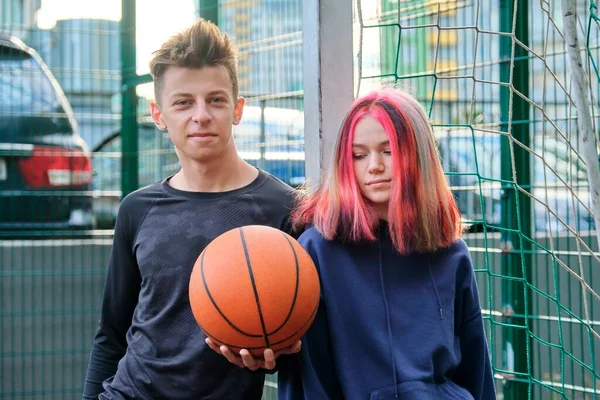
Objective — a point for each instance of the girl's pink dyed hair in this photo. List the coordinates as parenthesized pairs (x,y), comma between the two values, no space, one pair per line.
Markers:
(422,215)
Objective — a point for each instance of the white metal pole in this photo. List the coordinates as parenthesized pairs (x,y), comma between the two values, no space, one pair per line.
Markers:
(582,104)
(328,78)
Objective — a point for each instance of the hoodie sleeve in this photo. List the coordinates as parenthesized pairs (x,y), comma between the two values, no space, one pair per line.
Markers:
(474,372)
(313,375)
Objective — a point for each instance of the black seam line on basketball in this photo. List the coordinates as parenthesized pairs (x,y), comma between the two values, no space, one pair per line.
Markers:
(260,314)
(230,345)
(215,303)
(295,289)
(302,327)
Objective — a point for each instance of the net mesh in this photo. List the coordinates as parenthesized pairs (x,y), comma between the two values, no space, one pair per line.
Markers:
(494,77)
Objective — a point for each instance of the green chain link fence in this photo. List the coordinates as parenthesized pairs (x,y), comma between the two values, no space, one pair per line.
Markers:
(86,73)
(494,77)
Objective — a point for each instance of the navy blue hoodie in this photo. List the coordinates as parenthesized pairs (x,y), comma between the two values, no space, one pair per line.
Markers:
(391,326)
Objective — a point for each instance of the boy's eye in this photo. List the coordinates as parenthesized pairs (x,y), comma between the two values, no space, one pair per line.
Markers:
(218,100)
(182,103)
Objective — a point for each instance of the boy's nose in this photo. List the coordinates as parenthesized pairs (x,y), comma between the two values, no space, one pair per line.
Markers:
(201,115)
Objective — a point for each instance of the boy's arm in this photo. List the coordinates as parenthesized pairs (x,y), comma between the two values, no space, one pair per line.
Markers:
(287,224)
(120,298)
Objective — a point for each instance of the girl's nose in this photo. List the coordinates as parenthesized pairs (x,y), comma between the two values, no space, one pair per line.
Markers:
(376,165)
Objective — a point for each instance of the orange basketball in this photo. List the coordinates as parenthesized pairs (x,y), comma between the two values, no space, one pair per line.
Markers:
(253,288)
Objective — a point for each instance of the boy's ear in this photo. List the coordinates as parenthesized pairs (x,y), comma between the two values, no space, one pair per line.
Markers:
(157,116)
(239,110)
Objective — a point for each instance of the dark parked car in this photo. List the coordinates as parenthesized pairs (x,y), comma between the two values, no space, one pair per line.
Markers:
(45,166)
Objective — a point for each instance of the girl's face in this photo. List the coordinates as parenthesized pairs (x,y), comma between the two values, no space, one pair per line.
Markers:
(373,163)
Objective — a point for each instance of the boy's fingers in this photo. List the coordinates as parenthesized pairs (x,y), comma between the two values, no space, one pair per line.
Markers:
(227,353)
(269,362)
(230,356)
(212,345)
(248,360)
(245,358)
(296,347)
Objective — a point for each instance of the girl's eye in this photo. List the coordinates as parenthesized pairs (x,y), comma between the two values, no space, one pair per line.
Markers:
(387,152)
(358,156)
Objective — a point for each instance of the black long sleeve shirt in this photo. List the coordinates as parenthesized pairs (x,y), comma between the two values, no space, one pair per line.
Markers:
(148,345)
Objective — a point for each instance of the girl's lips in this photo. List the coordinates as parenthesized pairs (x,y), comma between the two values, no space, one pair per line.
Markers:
(378,181)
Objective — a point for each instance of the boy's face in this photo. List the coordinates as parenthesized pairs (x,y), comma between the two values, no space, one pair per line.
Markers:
(198,109)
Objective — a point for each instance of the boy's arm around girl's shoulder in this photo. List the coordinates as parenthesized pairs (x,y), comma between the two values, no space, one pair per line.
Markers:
(120,297)
(288,224)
